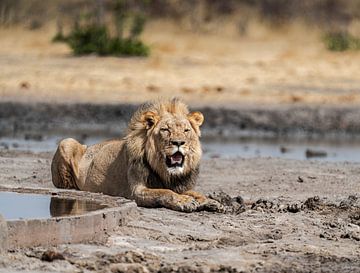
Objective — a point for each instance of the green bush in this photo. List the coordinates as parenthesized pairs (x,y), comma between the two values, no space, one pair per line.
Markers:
(88,40)
(96,40)
(59,38)
(137,25)
(341,41)
(90,35)
(128,47)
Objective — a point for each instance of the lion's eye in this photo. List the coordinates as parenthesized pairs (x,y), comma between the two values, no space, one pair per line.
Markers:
(187,130)
(164,130)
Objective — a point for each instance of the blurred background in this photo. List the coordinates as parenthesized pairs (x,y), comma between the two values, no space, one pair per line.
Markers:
(282,70)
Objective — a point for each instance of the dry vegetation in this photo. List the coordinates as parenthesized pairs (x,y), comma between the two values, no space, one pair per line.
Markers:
(301,216)
(244,54)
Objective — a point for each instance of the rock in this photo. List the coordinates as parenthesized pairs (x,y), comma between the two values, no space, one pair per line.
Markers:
(309,153)
(294,208)
(351,201)
(234,205)
(51,255)
(355,218)
(3,234)
(263,204)
(128,268)
(313,203)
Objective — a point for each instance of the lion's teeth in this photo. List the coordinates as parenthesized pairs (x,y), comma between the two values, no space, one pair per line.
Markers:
(176,159)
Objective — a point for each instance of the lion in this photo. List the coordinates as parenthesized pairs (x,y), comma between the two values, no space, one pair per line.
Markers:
(156,163)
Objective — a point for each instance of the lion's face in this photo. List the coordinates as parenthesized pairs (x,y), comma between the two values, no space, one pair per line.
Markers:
(173,147)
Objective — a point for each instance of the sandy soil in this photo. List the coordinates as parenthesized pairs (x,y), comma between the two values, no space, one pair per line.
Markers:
(287,225)
(264,67)
(300,216)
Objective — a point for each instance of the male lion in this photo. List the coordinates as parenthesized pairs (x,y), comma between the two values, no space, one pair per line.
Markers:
(156,163)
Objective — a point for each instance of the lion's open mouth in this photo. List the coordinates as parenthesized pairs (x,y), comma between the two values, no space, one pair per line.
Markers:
(175,160)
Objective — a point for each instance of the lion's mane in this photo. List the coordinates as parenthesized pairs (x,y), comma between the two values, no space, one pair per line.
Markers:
(140,155)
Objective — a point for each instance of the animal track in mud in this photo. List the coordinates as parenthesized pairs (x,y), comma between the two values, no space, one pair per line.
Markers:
(236,205)
(312,203)
(350,204)
(233,205)
(342,221)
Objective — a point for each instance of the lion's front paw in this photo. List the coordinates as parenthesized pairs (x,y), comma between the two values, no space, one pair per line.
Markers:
(211,205)
(186,204)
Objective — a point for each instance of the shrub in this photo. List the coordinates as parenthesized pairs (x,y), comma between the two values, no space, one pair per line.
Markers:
(89,34)
(59,38)
(95,39)
(88,40)
(137,25)
(128,47)
(341,41)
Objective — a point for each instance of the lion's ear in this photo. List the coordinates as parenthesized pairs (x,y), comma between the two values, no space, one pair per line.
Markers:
(196,118)
(149,119)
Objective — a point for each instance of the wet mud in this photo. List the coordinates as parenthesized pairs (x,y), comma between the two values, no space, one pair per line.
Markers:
(272,222)
(34,121)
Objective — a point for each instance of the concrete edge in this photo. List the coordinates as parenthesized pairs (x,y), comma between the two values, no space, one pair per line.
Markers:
(94,226)
(91,227)
(3,235)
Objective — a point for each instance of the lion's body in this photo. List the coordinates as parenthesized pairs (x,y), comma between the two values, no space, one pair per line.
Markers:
(145,165)
(103,169)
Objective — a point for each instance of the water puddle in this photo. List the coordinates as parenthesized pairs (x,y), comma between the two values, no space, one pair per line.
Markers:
(37,145)
(289,149)
(324,150)
(15,206)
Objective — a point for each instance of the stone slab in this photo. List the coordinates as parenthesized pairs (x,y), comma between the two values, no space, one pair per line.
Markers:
(94,226)
(3,235)
(91,227)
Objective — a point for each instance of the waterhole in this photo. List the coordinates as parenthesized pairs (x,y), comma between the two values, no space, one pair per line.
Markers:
(323,150)
(14,206)
(334,151)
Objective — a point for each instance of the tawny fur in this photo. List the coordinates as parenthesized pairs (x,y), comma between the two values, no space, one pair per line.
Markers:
(135,166)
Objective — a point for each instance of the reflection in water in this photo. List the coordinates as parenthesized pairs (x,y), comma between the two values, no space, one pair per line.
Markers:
(31,206)
(64,207)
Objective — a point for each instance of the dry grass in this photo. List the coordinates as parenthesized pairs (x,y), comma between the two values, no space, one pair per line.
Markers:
(266,67)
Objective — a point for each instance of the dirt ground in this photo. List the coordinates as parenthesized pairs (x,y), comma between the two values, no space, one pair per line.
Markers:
(291,66)
(298,216)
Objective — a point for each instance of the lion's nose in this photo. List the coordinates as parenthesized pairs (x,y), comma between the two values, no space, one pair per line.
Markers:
(178,142)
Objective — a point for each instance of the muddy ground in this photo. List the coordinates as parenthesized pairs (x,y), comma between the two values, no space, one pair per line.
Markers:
(297,216)
(38,120)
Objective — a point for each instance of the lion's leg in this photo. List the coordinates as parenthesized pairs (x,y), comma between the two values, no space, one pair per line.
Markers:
(153,198)
(65,164)
(198,196)
(60,208)
(204,202)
